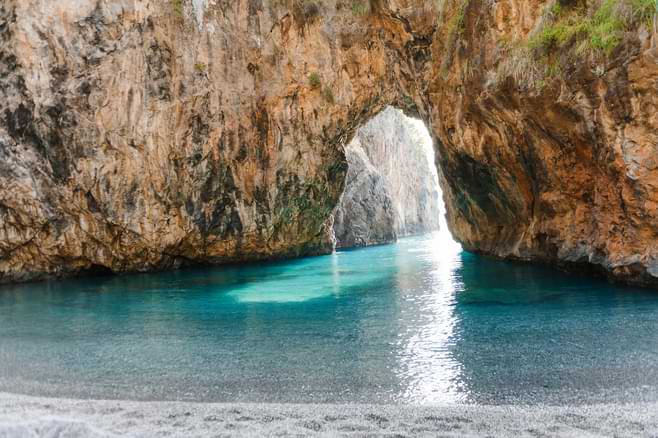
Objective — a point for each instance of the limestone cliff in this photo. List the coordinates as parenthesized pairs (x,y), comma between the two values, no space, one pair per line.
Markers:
(391,189)
(365,214)
(150,134)
(548,132)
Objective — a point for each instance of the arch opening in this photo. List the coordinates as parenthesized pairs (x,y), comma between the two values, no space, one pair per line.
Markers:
(392,186)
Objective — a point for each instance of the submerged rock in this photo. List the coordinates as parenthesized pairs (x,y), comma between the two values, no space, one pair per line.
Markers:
(391,189)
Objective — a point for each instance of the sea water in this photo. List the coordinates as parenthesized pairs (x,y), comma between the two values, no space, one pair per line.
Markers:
(418,322)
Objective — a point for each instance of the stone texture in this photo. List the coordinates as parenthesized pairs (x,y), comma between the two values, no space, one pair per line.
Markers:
(390,189)
(365,214)
(551,174)
(137,135)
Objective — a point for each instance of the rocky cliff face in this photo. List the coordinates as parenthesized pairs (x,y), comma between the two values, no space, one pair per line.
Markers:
(365,214)
(548,134)
(391,189)
(150,134)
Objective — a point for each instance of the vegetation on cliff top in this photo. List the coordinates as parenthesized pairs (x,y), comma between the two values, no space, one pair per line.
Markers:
(601,29)
(569,33)
(311,7)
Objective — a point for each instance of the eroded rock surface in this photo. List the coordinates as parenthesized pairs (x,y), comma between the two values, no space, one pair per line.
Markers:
(391,189)
(150,134)
(365,214)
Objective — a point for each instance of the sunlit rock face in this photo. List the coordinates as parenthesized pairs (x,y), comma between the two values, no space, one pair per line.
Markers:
(154,134)
(391,188)
(365,214)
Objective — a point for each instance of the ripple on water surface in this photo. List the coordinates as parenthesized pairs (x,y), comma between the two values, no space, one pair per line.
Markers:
(418,321)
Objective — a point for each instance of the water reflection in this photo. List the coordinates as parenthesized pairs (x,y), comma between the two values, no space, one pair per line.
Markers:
(427,364)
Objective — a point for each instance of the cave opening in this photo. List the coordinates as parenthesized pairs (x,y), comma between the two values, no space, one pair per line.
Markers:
(392,186)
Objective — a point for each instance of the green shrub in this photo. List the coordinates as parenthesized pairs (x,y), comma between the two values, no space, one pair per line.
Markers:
(601,30)
(605,30)
(553,69)
(556,35)
(359,8)
(314,80)
(569,34)
(200,67)
(328,95)
(177,6)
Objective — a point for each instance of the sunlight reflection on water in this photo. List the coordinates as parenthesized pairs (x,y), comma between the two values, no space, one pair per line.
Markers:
(415,322)
(419,321)
(432,374)
(426,363)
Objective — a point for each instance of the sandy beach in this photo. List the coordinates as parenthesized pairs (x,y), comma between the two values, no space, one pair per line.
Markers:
(24,416)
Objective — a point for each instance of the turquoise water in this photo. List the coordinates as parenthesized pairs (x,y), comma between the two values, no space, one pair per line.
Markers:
(415,322)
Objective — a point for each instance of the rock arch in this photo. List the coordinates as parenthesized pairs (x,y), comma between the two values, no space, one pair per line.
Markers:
(391,187)
(150,135)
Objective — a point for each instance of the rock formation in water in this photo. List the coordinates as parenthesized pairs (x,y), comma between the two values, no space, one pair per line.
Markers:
(151,134)
(390,188)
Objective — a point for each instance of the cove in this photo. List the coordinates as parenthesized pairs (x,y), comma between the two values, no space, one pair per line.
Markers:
(418,322)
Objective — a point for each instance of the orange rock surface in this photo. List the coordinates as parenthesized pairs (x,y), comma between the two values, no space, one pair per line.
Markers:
(142,135)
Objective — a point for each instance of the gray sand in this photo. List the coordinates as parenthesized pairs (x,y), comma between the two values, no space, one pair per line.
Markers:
(24,416)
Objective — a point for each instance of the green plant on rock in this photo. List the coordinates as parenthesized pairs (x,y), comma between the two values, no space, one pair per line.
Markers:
(572,33)
(328,95)
(555,35)
(553,69)
(200,67)
(314,80)
(359,8)
(645,10)
(308,203)
(601,29)
(455,29)
(177,6)
(338,168)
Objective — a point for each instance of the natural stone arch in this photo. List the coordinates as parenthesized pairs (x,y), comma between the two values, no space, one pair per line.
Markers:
(391,188)
(145,135)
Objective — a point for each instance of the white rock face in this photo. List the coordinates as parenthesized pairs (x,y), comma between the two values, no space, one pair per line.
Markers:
(199,10)
(391,188)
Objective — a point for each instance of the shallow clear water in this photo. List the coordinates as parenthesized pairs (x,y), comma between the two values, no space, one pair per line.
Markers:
(418,321)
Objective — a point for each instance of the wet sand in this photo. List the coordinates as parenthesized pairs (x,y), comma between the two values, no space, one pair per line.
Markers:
(24,416)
